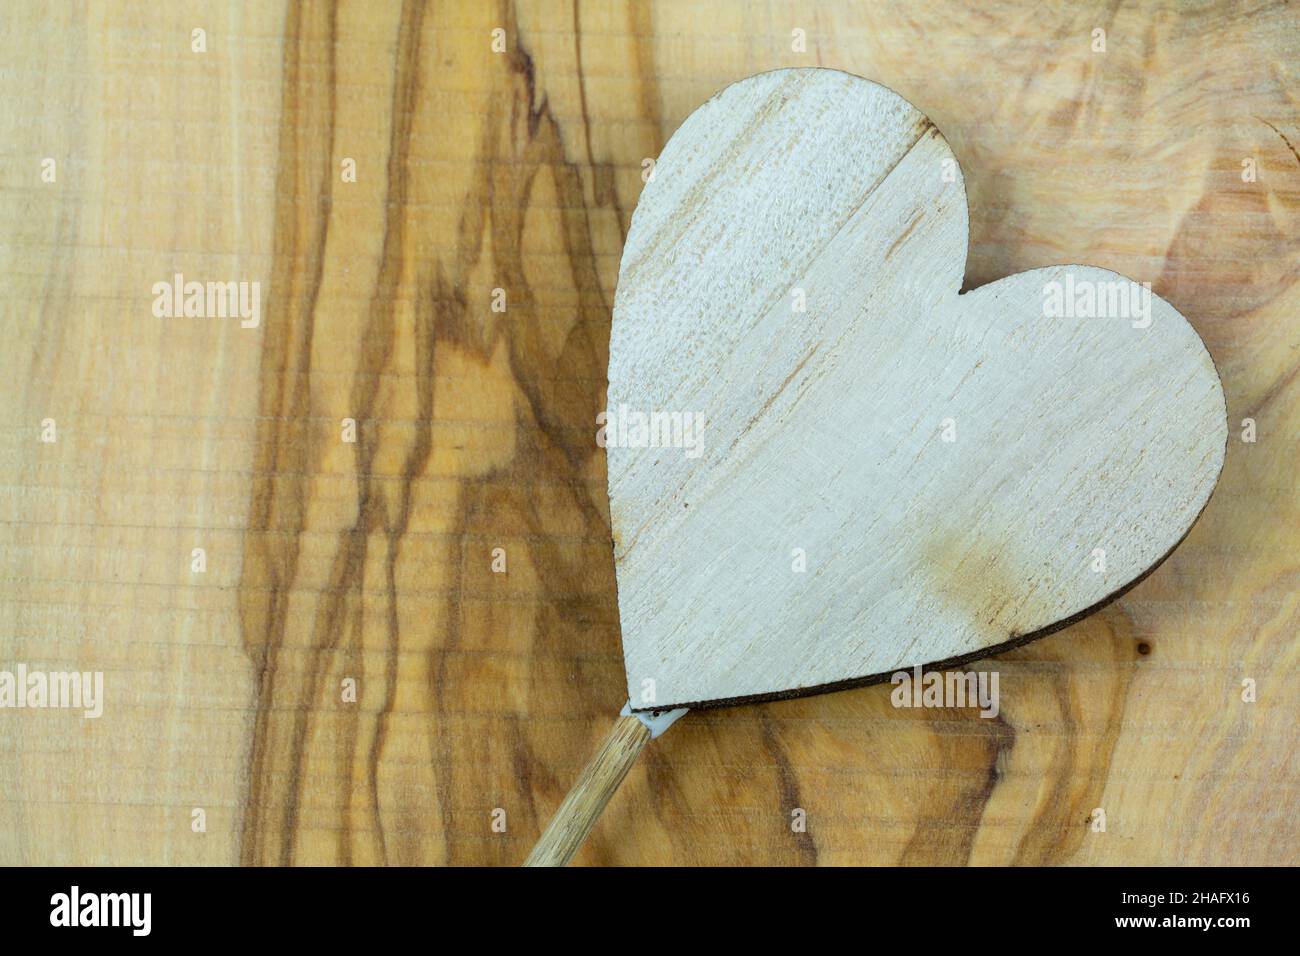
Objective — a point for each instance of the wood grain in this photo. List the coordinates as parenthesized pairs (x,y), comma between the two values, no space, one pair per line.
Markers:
(480,691)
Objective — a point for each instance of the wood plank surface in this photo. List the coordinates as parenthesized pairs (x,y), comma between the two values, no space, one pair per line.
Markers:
(1171,157)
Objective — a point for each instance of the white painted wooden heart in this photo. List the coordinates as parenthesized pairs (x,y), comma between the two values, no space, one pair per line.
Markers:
(888,473)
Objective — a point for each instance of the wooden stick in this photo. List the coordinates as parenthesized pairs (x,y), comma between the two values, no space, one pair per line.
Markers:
(586,801)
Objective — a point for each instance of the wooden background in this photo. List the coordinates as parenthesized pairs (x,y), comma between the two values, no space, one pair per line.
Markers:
(519,170)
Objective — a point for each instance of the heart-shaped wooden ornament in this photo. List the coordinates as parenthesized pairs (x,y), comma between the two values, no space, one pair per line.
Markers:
(826,464)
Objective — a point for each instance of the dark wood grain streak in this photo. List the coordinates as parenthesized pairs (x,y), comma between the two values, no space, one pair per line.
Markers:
(788,783)
(379,507)
(1080,762)
(558,397)
(944,834)
(279,496)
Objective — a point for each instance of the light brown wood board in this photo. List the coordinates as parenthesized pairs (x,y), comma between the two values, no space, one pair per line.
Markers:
(1172,157)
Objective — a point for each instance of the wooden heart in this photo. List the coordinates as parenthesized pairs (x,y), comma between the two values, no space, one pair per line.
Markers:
(888,473)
